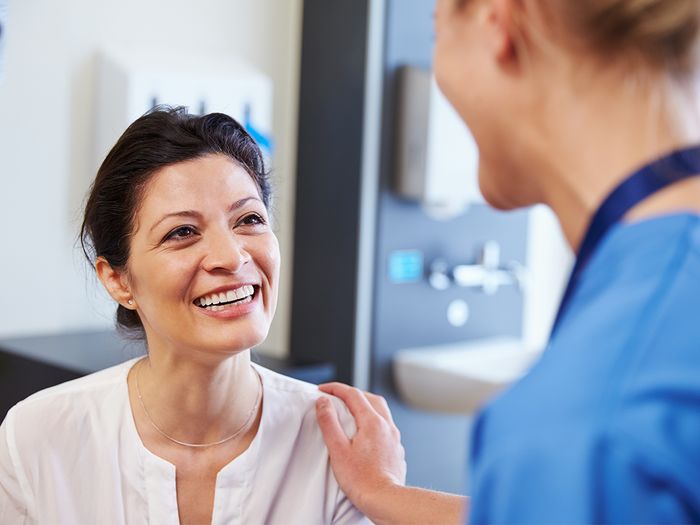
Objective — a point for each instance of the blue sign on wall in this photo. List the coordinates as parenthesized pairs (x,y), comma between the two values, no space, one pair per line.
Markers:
(405,266)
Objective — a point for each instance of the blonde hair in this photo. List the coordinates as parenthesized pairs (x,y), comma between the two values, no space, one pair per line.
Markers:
(661,34)
(652,45)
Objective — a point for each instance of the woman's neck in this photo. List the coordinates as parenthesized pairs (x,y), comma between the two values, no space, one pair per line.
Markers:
(197,401)
(598,142)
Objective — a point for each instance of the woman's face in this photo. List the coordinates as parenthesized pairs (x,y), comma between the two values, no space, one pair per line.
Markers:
(204,263)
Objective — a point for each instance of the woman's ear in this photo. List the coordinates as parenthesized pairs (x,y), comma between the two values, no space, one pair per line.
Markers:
(115,282)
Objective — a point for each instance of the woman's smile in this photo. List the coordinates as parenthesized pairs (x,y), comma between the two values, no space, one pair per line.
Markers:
(226,295)
(229,302)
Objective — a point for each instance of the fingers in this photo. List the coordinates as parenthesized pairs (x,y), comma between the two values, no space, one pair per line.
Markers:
(353,398)
(380,405)
(333,434)
(361,404)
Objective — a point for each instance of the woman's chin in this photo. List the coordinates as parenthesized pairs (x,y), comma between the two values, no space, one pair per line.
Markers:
(240,345)
(228,345)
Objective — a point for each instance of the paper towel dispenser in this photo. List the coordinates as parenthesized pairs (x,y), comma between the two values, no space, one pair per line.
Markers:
(437,158)
(130,82)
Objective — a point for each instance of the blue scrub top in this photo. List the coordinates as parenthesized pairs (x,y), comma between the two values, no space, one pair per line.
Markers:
(606,426)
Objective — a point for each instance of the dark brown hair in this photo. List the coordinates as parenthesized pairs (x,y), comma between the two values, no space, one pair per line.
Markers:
(162,137)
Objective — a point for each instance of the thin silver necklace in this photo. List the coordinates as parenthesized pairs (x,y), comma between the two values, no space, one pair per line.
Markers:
(244,426)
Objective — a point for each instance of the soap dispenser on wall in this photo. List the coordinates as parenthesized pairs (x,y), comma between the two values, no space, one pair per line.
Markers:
(437,158)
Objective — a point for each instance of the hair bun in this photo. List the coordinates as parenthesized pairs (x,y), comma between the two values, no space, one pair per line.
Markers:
(663,33)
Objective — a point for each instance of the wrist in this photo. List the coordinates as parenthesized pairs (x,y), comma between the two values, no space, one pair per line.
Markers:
(381,501)
(396,504)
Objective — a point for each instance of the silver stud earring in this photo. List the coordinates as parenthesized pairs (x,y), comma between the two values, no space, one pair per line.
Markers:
(130,301)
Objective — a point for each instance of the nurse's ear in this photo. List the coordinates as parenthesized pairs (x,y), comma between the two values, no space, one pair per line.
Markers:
(505,29)
(116,283)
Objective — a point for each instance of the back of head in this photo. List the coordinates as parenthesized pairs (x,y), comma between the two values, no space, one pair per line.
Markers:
(659,34)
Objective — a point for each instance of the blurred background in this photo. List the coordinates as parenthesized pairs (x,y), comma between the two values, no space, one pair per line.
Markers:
(396,277)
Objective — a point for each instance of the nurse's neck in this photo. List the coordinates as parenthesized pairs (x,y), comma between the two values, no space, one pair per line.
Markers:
(597,137)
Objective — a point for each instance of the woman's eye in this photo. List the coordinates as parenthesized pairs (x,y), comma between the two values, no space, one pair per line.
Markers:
(252,220)
(183,232)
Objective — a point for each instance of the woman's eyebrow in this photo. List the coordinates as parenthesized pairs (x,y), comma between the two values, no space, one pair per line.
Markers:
(239,203)
(184,213)
(193,213)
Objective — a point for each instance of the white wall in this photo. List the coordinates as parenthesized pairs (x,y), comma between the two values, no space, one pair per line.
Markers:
(46,99)
(549,260)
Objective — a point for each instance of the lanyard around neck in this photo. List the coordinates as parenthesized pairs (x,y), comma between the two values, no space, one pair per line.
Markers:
(676,166)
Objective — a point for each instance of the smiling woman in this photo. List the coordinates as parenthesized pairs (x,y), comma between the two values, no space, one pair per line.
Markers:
(201,232)
(177,227)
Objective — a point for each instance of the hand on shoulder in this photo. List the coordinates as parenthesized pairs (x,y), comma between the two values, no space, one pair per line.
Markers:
(370,466)
(372,461)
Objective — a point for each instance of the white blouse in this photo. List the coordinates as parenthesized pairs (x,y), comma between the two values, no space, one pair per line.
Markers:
(71,455)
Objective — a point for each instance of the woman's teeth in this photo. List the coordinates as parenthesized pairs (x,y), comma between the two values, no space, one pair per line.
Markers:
(218,307)
(218,301)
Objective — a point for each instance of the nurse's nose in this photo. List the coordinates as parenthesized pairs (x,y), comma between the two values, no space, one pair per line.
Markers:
(225,252)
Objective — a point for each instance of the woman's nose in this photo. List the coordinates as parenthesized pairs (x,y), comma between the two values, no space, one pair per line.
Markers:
(226,252)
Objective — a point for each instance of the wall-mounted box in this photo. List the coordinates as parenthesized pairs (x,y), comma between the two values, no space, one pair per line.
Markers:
(437,159)
(130,85)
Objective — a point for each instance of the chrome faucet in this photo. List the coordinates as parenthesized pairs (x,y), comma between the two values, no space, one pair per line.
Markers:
(486,273)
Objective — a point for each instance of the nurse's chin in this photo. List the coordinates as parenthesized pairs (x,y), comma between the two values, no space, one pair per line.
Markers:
(501,195)
(503,187)
(499,201)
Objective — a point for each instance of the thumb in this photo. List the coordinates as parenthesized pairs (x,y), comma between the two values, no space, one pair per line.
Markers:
(333,433)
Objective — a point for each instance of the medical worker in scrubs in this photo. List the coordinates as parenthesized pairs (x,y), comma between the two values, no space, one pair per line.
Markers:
(588,107)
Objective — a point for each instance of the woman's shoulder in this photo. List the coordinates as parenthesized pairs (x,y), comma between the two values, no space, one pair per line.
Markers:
(285,384)
(291,448)
(69,402)
(93,383)
(298,398)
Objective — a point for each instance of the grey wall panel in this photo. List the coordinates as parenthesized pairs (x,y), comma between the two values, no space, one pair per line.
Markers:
(328,178)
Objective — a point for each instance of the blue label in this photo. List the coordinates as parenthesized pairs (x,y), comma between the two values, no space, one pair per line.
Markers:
(264,141)
(405,266)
